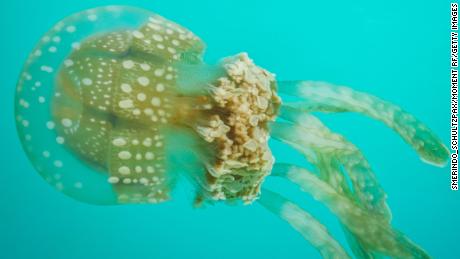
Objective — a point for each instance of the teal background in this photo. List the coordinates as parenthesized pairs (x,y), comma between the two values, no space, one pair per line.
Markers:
(398,51)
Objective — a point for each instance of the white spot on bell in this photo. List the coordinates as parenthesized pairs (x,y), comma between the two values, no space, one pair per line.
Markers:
(145,67)
(87,81)
(157,37)
(113,179)
(124,155)
(160,87)
(76,45)
(60,140)
(141,97)
(159,72)
(128,64)
(126,88)
(68,62)
(144,81)
(66,122)
(92,17)
(50,125)
(149,156)
(47,69)
(125,104)
(156,101)
(58,163)
(119,142)
(138,34)
(124,170)
(71,29)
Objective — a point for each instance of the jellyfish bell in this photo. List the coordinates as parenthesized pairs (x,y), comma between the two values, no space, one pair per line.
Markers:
(116,103)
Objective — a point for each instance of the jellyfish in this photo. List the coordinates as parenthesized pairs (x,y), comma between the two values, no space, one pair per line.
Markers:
(116,104)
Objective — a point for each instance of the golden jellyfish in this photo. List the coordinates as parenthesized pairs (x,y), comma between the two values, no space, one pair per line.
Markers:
(115,103)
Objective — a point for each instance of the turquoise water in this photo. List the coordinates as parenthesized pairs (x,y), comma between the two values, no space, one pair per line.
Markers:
(396,51)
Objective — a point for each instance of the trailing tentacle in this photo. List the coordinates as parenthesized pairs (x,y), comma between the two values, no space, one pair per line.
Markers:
(330,166)
(325,97)
(325,150)
(329,151)
(330,154)
(372,230)
(330,170)
(310,228)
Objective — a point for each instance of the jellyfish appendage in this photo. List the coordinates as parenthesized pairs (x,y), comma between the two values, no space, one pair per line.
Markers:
(329,153)
(242,103)
(326,97)
(309,227)
(372,231)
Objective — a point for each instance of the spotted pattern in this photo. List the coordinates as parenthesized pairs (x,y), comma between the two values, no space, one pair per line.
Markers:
(113,42)
(167,40)
(137,166)
(97,89)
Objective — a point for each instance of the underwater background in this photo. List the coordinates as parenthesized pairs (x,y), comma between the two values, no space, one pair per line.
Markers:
(396,50)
